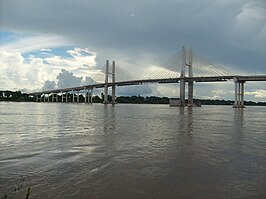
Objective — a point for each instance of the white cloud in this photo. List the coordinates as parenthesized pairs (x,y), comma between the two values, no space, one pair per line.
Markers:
(229,32)
(169,90)
(83,56)
(17,72)
(46,50)
(257,93)
(32,43)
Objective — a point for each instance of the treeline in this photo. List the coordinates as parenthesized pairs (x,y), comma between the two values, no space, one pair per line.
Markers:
(142,100)
(17,96)
(229,102)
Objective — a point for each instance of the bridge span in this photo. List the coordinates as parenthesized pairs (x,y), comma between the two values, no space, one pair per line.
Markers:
(183,79)
(239,87)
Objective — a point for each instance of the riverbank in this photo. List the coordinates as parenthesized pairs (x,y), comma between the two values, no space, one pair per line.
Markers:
(18,96)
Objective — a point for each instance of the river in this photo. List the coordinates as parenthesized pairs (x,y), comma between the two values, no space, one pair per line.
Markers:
(132,151)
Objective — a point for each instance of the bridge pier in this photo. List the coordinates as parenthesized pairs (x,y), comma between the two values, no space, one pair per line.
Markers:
(239,94)
(105,100)
(38,99)
(88,95)
(56,98)
(46,99)
(187,56)
(190,74)
(182,79)
(190,93)
(113,81)
(75,96)
(64,97)
(182,92)
(52,97)
(107,73)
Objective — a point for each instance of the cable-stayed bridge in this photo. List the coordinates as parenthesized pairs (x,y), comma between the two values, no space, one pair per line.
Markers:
(184,68)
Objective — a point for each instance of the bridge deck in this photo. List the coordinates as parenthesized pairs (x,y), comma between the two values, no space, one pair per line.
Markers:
(169,80)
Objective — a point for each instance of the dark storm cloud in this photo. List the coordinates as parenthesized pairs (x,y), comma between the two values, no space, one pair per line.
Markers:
(228,32)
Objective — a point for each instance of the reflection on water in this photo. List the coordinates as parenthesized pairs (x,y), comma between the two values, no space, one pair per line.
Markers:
(110,119)
(133,151)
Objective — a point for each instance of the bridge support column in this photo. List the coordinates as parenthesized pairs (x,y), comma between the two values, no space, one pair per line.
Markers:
(62,97)
(38,99)
(190,93)
(113,81)
(182,92)
(182,80)
(90,96)
(107,73)
(242,94)
(73,97)
(46,98)
(190,74)
(105,100)
(56,97)
(239,94)
(86,94)
(52,97)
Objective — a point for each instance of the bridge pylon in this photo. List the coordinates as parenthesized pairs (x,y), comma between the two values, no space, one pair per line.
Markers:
(182,80)
(190,74)
(106,84)
(187,58)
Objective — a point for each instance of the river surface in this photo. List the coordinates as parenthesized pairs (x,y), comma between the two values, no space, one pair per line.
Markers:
(132,151)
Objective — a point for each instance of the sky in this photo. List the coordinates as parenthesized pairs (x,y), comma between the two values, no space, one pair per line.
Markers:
(46,44)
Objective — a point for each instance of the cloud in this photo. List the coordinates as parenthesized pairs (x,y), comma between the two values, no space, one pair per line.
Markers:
(88,81)
(257,93)
(144,90)
(32,43)
(67,79)
(142,34)
(250,25)
(84,57)
(18,71)
(48,85)
(225,31)
(46,50)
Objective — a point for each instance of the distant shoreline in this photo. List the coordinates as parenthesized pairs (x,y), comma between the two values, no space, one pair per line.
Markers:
(18,96)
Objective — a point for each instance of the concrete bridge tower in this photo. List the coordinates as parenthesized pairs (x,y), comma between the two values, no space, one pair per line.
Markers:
(190,74)
(182,78)
(187,58)
(106,85)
